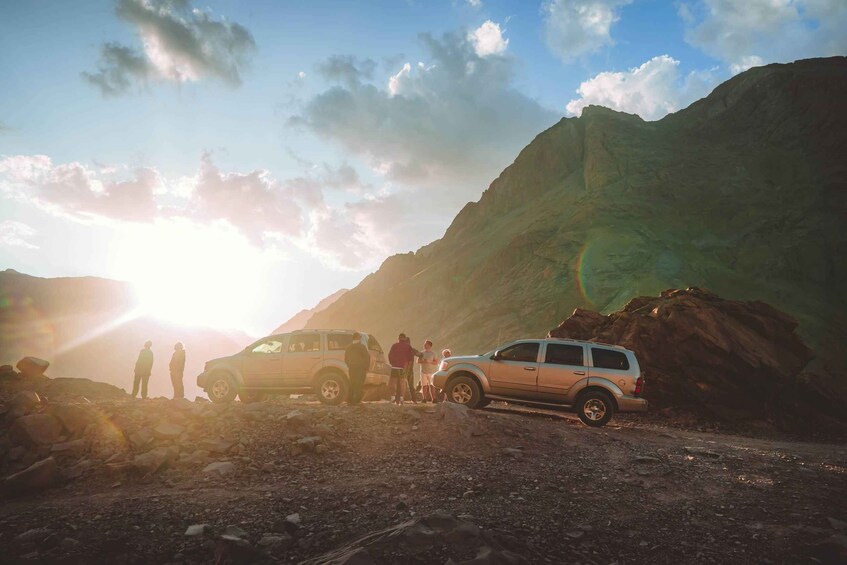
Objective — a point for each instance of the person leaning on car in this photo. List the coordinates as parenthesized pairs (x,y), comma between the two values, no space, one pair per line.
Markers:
(358,360)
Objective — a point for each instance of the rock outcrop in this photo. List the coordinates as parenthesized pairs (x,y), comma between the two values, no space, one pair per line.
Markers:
(725,360)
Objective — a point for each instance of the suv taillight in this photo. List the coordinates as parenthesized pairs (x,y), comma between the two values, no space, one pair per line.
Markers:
(639,385)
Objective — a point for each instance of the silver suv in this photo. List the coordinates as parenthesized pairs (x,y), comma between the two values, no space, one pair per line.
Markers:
(298,362)
(593,379)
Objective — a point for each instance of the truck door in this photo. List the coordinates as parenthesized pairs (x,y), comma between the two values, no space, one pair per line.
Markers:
(303,358)
(515,371)
(262,365)
(563,367)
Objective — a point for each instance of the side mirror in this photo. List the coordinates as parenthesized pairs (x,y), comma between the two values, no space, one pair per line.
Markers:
(497,355)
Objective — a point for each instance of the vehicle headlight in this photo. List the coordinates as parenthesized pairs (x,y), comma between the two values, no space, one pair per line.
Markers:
(444,365)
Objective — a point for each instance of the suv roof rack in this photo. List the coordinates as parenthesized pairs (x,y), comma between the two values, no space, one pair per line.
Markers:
(588,342)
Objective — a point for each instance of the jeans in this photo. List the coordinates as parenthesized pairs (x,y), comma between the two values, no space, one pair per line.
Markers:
(179,389)
(357,381)
(396,383)
(140,379)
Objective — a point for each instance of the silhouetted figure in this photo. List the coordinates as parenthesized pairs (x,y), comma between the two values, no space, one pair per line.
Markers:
(177,367)
(358,361)
(400,356)
(143,368)
(410,372)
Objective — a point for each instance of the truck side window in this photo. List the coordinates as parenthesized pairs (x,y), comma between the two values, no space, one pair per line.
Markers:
(269,346)
(338,341)
(522,352)
(608,359)
(561,354)
(304,342)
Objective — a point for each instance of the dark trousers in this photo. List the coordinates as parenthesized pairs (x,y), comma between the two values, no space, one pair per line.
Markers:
(396,383)
(142,380)
(410,382)
(357,382)
(179,389)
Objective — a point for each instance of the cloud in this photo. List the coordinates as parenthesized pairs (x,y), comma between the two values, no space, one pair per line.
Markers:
(488,39)
(254,203)
(74,190)
(573,28)
(179,44)
(347,69)
(651,90)
(450,125)
(16,234)
(755,32)
(476,4)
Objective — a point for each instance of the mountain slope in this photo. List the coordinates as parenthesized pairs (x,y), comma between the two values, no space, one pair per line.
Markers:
(742,193)
(85,328)
(299,320)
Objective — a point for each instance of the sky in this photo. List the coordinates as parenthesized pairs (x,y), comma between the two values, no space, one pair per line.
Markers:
(239,161)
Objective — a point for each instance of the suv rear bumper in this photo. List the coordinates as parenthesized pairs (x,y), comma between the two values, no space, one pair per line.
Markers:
(376,379)
(631,404)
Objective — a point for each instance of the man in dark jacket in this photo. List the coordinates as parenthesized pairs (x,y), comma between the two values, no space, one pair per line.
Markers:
(400,356)
(143,368)
(358,361)
(177,367)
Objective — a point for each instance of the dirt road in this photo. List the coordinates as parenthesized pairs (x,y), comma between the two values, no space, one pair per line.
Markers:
(431,483)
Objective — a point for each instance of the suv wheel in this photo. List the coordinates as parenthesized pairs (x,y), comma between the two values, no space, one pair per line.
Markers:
(221,389)
(465,390)
(331,388)
(595,409)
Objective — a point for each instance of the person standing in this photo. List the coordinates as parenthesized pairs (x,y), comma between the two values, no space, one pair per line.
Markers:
(143,368)
(410,371)
(399,357)
(358,361)
(429,364)
(177,367)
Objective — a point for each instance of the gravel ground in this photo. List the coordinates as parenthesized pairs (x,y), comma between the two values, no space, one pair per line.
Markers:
(427,484)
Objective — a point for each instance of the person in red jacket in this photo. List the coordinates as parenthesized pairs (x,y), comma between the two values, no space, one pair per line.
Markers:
(400,356)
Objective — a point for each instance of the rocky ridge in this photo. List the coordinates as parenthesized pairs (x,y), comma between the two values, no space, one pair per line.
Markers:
(742,193)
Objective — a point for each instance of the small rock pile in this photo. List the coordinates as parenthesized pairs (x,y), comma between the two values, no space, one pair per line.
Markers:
(46,443)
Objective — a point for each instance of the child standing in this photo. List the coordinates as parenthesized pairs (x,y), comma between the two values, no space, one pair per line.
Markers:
(429,364)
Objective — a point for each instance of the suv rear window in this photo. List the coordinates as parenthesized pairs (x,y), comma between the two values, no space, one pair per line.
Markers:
(523,352)
(373,344)
(338,341)
(608,359)
(561,354)
(304,342)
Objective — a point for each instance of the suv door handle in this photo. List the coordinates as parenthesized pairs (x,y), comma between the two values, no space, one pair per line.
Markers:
(318,357)
(579,372)
(529,368)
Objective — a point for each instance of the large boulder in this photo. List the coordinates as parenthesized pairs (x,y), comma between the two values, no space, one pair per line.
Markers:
(32,367)
(24,403)
(37,429)
(727,360)
(74,418)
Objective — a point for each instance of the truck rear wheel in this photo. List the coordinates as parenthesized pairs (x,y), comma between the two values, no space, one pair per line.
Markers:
(595,409)
(331,388)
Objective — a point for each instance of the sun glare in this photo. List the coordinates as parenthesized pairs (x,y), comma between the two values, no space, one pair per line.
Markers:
(192,275)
